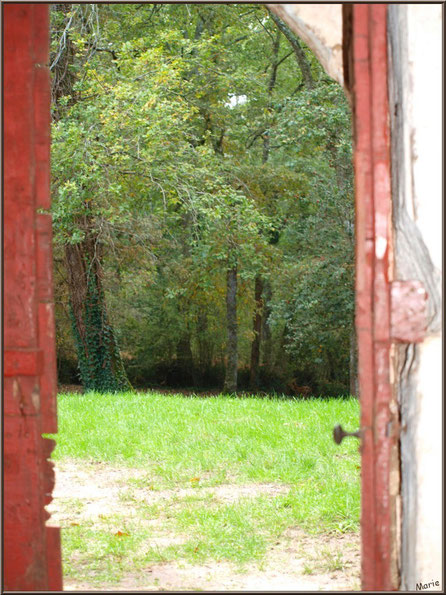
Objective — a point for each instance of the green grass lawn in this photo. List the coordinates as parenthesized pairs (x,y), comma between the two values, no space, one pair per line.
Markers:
(182,442)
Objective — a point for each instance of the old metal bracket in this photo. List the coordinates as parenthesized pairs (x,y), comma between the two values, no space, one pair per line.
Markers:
(339,434)
(408,319)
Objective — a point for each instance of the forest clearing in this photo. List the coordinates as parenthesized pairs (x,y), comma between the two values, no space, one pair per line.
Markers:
(157,492)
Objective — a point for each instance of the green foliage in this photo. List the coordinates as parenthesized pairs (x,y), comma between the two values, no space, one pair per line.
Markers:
(187,155)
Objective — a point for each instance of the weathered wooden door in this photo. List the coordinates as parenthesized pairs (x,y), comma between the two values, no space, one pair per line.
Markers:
(387,310)
(373,277)
(32,558)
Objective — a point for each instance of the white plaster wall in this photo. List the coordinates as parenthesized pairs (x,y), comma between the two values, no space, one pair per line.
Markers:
(416,96)
(429,452)
(424,30)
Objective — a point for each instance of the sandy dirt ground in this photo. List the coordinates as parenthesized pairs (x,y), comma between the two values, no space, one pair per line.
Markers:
(295,562)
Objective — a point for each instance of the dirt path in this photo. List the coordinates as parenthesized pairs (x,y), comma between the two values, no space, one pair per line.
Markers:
(296,562)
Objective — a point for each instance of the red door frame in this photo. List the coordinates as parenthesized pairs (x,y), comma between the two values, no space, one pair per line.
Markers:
(31,552)
(32,557)
(379,415)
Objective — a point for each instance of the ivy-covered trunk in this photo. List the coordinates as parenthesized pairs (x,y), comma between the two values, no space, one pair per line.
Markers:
(100,365)
(230,385)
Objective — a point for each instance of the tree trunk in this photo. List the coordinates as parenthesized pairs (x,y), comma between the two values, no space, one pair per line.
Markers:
(99,360)
(299,53)
(258,289)
(205,348)
(63,75)
(266,329)
(230,385)
(257,327)
(100,365)
(185,359)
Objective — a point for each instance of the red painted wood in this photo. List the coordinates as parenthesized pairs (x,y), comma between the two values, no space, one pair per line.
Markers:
(381,293)
(54,567)
(364,277)
(373,229)
(23,362)
(32,560)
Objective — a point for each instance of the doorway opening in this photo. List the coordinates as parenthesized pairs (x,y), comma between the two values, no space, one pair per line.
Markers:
(204,226)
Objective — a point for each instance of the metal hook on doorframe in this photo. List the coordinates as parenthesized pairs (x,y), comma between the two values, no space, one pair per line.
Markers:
(339,434)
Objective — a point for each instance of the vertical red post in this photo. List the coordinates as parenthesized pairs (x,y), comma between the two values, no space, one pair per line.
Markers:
(373,244)
(32,559)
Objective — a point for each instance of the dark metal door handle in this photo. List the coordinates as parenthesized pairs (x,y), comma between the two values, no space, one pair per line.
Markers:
(339,434)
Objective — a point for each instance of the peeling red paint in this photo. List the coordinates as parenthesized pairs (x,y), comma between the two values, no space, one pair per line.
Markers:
(373,312)
(32,558)
(23,362)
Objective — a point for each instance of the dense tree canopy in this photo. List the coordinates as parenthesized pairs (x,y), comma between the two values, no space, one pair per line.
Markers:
(202,200)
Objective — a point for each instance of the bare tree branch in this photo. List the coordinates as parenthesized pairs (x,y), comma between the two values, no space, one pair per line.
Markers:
(298,51)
